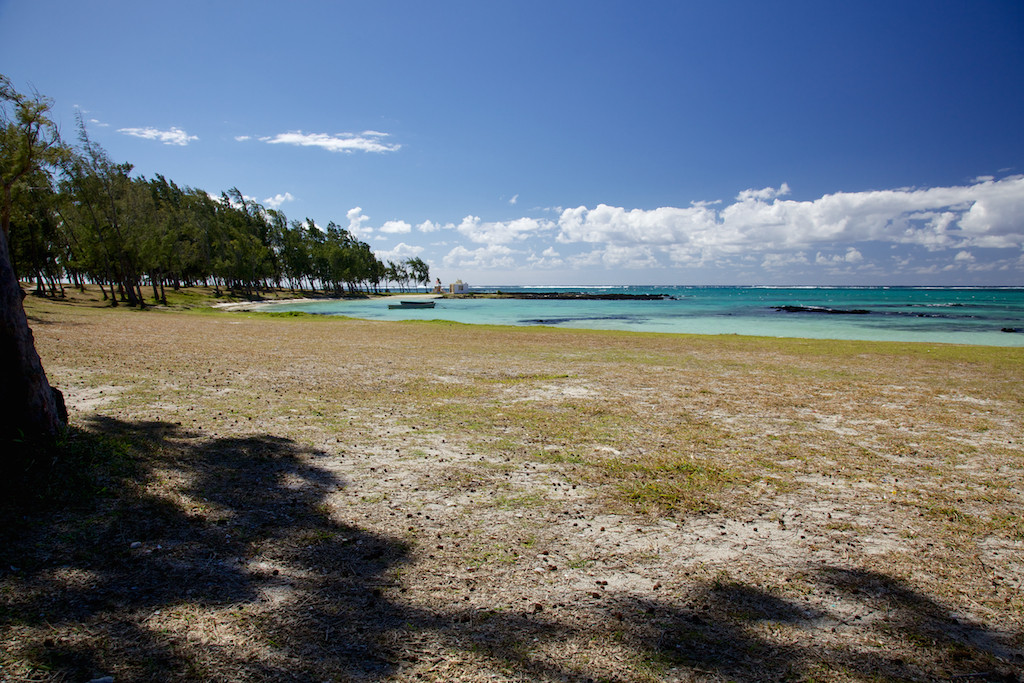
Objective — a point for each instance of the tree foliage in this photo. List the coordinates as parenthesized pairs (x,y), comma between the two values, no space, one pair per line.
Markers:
(29,146)
(77,216)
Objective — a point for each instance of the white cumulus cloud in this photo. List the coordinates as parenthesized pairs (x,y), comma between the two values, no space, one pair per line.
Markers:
(395,228)
(278,199)
(502,232)
(400,252)
(485,258)
(617,256)
(996,217)
(611,224)
(760,232)
(851,257)
(355,221)
(985,214)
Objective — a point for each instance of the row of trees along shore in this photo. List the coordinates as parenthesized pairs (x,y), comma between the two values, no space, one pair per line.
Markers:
(71,214)
(84,218)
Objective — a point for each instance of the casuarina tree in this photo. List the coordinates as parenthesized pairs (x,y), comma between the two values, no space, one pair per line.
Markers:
(29,142)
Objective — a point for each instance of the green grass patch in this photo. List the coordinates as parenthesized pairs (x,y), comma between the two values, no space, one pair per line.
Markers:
(530,377)
(669,483)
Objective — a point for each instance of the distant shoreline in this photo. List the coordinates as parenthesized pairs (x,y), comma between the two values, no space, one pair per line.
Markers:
(571,296)
(932,316)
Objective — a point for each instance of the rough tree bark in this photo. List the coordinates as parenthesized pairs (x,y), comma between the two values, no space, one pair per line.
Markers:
(29,407)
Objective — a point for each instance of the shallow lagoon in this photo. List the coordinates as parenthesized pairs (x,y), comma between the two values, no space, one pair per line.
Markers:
(914,314)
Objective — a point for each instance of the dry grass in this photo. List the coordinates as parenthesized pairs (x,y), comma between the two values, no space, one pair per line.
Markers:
(325,499)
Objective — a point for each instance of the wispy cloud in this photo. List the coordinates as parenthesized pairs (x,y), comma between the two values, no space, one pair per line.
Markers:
(367,141)
(549,258)
(173,136)
(431,226)
(763,194)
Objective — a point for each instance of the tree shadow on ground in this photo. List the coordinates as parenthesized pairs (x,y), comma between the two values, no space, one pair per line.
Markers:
(190,558)
(192,528)
(739,632)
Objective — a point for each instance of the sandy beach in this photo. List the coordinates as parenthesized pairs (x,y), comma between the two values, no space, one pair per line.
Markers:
(241,306)
(334,499)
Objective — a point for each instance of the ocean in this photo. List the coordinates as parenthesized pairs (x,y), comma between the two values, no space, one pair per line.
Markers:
(967,315)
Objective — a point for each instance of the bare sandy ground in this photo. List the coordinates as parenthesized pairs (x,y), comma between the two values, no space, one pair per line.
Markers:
(493,504)
(239,306)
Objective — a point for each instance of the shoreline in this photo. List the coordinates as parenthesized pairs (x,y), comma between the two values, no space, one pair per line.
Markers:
(784,321)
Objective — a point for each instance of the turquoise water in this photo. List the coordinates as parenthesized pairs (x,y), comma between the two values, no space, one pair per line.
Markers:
(914,314)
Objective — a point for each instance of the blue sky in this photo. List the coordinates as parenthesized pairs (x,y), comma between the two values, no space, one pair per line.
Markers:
(724,142)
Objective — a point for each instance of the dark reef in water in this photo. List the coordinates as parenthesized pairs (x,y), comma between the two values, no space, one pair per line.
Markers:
(822,309)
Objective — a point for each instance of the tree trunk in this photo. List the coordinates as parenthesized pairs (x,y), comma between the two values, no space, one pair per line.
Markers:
(28,406)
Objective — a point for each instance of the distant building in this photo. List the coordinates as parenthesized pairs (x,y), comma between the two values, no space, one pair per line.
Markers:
(458,287)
